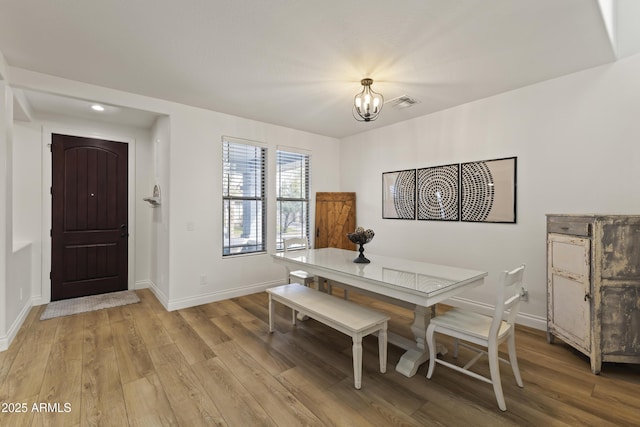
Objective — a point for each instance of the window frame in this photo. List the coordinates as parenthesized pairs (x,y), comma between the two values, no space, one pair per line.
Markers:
(260,199)
(305,157)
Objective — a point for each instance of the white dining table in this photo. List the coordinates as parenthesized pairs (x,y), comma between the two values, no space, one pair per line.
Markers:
(416,285)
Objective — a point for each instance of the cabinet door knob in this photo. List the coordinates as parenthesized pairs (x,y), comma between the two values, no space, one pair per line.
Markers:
(587,296)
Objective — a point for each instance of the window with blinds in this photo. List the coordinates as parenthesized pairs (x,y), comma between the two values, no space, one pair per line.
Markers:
(292,208)
(243,193)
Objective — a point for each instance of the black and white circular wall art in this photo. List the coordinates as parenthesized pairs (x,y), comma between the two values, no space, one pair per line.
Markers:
(438,189)
(477,191)
(399,194)
(488,191)
(481,191)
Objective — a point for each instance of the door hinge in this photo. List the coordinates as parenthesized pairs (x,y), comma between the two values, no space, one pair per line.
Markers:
(50,232)
(50,276)
(51,190)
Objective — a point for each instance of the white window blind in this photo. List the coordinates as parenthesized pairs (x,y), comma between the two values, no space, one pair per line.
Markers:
(243,193)
(292,196)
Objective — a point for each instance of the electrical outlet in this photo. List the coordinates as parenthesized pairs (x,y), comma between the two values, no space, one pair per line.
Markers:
(524,295)
(203,280)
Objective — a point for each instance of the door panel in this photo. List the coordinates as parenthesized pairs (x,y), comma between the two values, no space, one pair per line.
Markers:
(570,287)
(335,217)
(89,235)
(620,240)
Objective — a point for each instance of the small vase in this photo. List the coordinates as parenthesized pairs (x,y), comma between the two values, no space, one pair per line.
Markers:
(361,259)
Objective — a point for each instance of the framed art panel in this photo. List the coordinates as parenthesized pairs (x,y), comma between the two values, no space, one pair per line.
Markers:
(438,193)
(488,190)
(399,194)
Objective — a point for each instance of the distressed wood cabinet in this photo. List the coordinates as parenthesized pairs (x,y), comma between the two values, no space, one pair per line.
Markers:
(593,279)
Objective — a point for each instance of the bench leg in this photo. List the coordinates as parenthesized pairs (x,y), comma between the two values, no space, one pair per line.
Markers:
(293,317)
(382,348)
(357,361)
(271,314)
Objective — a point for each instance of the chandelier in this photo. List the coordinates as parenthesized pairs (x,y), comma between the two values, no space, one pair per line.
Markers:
(367,104)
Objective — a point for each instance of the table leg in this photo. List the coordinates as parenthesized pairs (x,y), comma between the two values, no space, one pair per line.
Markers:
(271,314)
(414,357)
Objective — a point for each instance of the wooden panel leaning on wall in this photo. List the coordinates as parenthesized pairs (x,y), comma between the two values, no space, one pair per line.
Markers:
(335,217)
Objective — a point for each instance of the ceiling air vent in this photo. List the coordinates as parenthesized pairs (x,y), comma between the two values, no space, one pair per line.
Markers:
(402,102)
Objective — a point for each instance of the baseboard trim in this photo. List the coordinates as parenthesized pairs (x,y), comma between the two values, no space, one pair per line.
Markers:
(142,284)
(38,300)
(525,319)
(181,303)
(6,340)
(157,292)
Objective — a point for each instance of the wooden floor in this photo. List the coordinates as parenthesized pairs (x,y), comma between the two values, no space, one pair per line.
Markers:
(216,364)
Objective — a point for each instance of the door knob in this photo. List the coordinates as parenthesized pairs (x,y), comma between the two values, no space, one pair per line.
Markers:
(123,231)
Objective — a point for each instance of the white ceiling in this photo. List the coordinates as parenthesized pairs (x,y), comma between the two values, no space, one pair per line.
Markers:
(46,105)
(299,63)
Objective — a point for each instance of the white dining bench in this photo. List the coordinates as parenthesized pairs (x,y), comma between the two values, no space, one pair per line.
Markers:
(342,315)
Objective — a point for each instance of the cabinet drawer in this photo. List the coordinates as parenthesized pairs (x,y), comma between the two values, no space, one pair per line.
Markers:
(572,228)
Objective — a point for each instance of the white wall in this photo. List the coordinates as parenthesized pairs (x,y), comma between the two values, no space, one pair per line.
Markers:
(27,197)
(143,212)
(576,139)
(15,257)
(6,238)
(19,275)
(160,216)
(196,198)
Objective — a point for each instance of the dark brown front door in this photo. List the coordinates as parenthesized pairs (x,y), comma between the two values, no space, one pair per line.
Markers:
(335,217)
(89,216)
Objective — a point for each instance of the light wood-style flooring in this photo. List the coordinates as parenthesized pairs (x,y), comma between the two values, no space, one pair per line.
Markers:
(216,364)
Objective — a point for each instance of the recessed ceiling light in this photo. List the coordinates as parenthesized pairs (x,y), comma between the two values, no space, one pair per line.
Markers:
(97,107)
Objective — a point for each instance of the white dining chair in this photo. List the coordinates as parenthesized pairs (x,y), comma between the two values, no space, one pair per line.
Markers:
(298,276)
(485,331)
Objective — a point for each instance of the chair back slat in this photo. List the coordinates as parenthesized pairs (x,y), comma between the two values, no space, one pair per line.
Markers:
(508,298)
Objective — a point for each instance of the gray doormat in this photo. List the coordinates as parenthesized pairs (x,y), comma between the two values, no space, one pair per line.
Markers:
(83,304)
